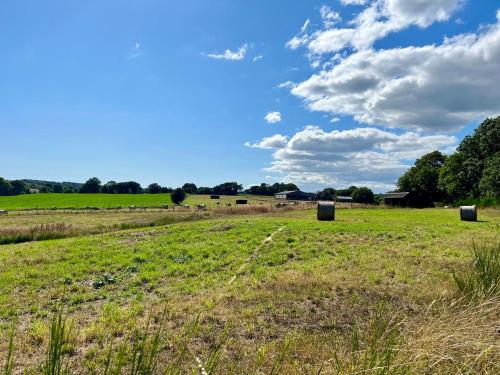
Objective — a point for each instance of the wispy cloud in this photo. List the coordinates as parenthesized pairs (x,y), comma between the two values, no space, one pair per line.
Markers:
(135,51)
(304,27)
(287,85)
(257,58)
(273,117)
(231,55)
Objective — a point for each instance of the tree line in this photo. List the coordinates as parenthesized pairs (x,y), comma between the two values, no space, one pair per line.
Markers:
(471,174)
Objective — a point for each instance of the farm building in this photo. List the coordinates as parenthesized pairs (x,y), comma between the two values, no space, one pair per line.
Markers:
(295,195)
(399,199)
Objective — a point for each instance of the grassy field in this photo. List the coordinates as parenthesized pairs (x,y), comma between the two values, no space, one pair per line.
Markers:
(31,201)
(41,201)
(280,293)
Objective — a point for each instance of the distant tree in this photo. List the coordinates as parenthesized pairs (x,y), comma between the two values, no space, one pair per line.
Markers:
(266,189)
(166,190)
(69,191)
(44,189)
(327,194)
(92,186)
(18,187)
(57,188)
(363,195)
(228,188)
(109,187)
(490,181)
(5,187)
(130,187)
(346,192)
(189,188)
(204,190)
(178,195)
(154,188)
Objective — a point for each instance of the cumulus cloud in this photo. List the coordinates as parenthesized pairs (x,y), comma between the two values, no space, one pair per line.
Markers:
(434,87)
(362,156)
(375,21)
(231,55)
(273,117)
(274,142)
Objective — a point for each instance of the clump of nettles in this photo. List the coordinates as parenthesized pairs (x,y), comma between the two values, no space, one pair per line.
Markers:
(103,280)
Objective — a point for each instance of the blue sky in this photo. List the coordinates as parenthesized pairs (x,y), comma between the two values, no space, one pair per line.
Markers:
(179,91)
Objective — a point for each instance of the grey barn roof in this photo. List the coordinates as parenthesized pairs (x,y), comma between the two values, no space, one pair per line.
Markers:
(343,198)
(396,194)
(288,192)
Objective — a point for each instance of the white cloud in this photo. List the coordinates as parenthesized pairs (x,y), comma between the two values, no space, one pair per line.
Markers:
(287,85)
(353,2)
(301,38)
(304,27)
(362,156)
(375,21)
(231,55)
(274,142)
(273,117)
(329,16)
(135,51)
(257,58)
(434,87)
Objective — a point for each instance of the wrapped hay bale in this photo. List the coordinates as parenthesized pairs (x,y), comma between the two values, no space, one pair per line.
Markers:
(468,213)
(326,211)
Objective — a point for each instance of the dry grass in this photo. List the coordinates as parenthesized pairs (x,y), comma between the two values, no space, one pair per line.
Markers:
(460,338)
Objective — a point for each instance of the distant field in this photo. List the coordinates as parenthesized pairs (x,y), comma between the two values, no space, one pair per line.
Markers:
(266,281)
(30,201)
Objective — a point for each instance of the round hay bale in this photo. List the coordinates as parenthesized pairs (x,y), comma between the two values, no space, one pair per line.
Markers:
(468,213)
(326,211)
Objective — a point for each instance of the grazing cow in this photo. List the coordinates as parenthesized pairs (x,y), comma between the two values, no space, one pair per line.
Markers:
(201,207)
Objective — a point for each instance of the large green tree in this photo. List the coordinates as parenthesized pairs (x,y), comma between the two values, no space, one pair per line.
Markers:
(18,187)
(363,195)
(462,175)
(422,180)
(189,188)
(5,187)
(178,195)
(92,186)
(154,188)
(489,185)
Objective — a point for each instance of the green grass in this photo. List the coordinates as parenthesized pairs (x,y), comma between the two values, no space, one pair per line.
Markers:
(299,294)
(33,201)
